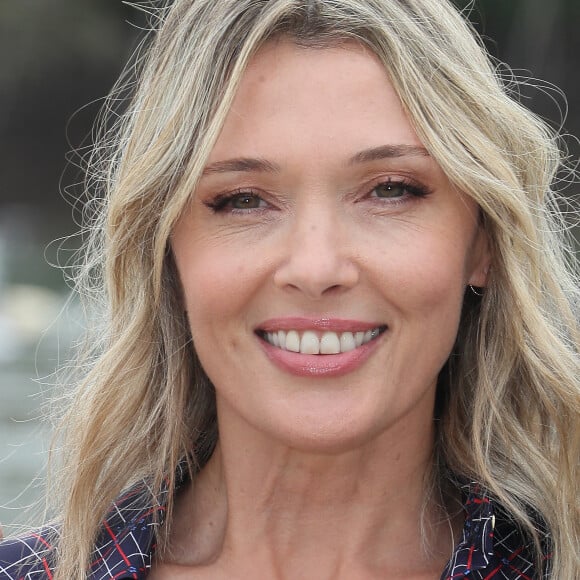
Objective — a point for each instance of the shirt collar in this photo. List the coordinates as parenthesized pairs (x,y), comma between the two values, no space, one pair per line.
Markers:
(476,547)
(126,544)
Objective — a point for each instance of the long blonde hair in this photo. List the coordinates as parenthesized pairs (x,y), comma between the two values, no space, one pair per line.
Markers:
(510,396)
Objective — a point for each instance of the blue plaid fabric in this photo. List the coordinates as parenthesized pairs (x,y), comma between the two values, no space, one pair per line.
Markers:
(491,547)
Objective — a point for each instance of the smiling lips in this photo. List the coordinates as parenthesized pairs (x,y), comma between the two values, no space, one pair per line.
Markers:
(319,348)
(315,342)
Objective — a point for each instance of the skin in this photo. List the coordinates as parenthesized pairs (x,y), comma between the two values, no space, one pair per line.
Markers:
(319,477)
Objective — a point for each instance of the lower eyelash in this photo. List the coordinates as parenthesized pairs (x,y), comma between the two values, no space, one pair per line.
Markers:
(219,203)
(413,189)
(408,188)
(416,190)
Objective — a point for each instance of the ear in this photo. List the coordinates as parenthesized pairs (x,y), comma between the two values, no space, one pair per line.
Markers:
(480,261)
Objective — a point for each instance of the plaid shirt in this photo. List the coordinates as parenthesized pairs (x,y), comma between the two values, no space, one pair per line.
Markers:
(491,547)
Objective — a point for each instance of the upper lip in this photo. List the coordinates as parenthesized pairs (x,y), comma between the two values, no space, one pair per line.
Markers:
(321,323)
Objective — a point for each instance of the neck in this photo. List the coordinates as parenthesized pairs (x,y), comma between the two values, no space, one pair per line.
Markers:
(329,513)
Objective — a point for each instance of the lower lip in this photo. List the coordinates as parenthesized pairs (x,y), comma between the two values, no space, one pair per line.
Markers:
(320,365)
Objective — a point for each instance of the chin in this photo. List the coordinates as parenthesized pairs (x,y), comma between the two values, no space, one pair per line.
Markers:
(324,433)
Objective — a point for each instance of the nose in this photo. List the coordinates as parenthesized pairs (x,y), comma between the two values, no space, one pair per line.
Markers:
(318,257)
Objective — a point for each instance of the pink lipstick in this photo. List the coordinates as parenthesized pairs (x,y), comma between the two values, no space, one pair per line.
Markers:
(322,347)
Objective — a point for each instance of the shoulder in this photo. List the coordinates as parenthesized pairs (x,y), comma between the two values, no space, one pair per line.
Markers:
(514,550)
(28,557)
(493,546)
(123,549)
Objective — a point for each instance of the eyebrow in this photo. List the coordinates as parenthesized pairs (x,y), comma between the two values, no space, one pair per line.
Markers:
(241,164)
(251,164)
(388,152)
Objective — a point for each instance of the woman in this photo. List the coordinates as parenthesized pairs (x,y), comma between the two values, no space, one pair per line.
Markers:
(328,234)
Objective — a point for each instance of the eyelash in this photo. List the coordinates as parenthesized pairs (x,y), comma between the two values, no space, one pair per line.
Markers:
(219,204)
(410,188)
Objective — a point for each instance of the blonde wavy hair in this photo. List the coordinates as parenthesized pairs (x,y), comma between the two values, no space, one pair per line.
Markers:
(509,397)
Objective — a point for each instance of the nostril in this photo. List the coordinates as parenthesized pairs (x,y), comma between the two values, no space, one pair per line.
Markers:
(332,289)
(316,264)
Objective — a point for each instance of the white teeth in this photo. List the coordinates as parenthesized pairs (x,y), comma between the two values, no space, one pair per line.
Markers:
(282,339)
(347,342)
(309,343)
(329,343)
(293,341)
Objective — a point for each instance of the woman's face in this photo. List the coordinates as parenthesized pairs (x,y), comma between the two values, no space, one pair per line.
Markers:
(322,225)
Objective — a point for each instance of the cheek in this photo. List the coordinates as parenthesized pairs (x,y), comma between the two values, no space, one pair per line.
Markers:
(209,300)
(426,273)
(425,284)
(206,285)
(216,283)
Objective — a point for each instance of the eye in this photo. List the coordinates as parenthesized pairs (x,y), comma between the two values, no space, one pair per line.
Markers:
(397,189)
(235,202)
(245,201)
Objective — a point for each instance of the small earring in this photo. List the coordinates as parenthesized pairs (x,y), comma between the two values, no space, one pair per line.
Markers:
(478,291)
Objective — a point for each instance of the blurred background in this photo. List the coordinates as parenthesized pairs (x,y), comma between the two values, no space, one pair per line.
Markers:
(58,58)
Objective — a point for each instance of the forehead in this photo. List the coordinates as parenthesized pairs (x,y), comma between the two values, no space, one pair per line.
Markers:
(313,97)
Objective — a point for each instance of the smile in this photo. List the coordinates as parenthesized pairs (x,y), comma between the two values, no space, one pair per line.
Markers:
(316,342)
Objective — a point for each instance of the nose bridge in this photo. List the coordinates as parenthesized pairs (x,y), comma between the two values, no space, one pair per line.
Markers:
(318,226)
(317,252)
